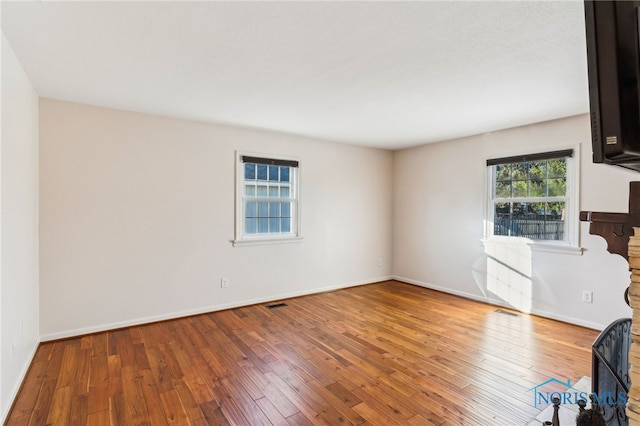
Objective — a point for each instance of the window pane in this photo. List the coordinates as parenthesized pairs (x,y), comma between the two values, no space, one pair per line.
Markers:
(537,209)
(249,171)
(273,172)
(262,190)
(251,209)
(557,168)
(284,191)
(538,170)
(250,226)
(274,225)
(286,209)
(503,189)
(262,172)
(274,209)
(273,192)
(263,225)
(284,174)
(555,211)
(519,188)
(285,225)
(537,188)
(557,187)
(519,171)
(250,190)
(502,219)
(263,209)
(502,208)
(503,172)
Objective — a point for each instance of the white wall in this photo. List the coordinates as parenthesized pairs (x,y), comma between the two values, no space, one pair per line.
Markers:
(137,214)
(439,205)
(19,333)
(137,217)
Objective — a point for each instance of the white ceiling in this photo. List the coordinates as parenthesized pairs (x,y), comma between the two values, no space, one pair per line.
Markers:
(382,74)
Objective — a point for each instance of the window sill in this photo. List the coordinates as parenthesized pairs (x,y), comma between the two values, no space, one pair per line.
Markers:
(261,241)
(544,247)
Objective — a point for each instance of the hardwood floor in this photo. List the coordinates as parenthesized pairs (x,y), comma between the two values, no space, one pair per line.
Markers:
(380,354)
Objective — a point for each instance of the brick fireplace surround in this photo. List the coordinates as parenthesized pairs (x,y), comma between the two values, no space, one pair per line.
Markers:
(622,233)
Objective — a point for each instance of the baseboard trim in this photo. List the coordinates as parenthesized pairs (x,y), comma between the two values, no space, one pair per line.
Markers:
(498,302)
(213,308)
(18,385)
(198,311)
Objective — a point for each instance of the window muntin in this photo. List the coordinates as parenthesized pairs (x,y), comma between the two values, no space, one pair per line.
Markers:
(267,194)
(530,196)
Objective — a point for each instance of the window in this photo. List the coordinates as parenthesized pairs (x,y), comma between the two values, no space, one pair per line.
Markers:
(266,199)
(534,197)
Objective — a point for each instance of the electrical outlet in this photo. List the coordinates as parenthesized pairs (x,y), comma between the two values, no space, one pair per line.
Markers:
(587,296)
(379,261)
(224,282)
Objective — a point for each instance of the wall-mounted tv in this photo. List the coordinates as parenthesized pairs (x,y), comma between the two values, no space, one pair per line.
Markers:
(613,59)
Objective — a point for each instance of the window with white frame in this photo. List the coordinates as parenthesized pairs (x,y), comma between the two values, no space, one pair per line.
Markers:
(534,197)
(267,198)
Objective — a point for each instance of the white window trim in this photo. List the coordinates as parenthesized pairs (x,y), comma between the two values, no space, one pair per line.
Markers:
(569,246)
(240,239)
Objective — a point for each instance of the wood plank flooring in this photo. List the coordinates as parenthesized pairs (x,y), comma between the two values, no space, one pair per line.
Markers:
(382,354)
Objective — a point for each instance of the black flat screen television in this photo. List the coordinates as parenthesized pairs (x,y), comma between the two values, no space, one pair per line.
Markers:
(613,59)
